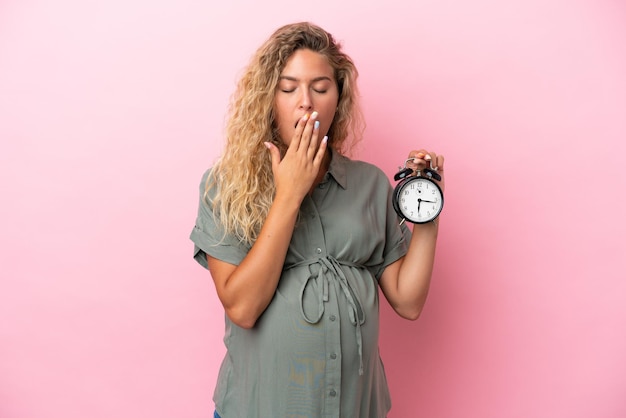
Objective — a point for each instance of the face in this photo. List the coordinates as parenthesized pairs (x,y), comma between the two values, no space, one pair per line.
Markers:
(306,84)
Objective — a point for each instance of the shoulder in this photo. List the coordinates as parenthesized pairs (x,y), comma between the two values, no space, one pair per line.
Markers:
(205,176)
(358,171)
(207,184)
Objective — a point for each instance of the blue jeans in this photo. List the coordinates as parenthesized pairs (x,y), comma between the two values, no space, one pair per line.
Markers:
(215,415)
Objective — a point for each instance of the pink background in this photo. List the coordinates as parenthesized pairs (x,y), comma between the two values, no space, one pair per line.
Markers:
(110,112)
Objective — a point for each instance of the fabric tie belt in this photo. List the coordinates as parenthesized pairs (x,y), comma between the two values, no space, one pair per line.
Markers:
(330,269)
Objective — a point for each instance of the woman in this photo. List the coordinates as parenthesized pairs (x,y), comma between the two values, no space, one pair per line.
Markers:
(298,238)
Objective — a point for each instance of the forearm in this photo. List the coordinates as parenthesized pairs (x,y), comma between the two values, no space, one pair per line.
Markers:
(247,290)
(407,285)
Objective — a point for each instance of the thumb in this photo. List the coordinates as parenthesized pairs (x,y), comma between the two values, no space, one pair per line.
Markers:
(274,154)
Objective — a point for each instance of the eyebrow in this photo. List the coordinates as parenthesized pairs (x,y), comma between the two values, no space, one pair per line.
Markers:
(316,79)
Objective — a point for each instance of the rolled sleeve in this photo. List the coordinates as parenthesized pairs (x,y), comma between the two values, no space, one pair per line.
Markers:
(398,236)
(209,237)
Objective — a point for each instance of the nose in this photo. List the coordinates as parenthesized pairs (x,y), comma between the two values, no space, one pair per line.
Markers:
(306,102)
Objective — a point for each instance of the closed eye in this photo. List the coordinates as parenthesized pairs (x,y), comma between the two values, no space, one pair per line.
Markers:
(315,90)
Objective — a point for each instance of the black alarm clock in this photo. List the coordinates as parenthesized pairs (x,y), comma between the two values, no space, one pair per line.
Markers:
(417,198)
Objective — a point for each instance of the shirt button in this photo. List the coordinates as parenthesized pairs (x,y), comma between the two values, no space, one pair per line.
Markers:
(333,393)
(318,250)
(332,317)
(333,356)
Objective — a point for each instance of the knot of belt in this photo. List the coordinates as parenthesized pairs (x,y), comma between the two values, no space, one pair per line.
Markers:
(330,268)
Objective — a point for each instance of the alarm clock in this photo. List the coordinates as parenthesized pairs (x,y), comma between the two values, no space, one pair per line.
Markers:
(417,198)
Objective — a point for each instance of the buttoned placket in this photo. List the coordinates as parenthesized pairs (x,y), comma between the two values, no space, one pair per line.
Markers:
(329,314)
(330,281)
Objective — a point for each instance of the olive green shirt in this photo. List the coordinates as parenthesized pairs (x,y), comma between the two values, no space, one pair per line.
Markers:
(314,351)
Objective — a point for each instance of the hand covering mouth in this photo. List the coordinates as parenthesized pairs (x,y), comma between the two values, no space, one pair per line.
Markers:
(300,118)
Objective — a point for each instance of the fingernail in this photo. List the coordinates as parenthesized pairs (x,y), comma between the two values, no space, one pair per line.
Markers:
(420,155)
(314,115)
(305,117)
(267,145)
(325,139)
(428,157)
(317,124)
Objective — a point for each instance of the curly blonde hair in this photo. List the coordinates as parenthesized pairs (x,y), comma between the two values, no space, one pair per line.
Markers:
(243,176)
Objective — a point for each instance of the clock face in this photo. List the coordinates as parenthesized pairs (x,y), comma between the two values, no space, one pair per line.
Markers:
(418,199)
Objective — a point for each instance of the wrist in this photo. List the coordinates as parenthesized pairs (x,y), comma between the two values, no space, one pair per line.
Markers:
(428,226)
(286,202)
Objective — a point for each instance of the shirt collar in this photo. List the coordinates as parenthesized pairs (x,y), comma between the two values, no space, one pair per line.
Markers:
(338,169)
